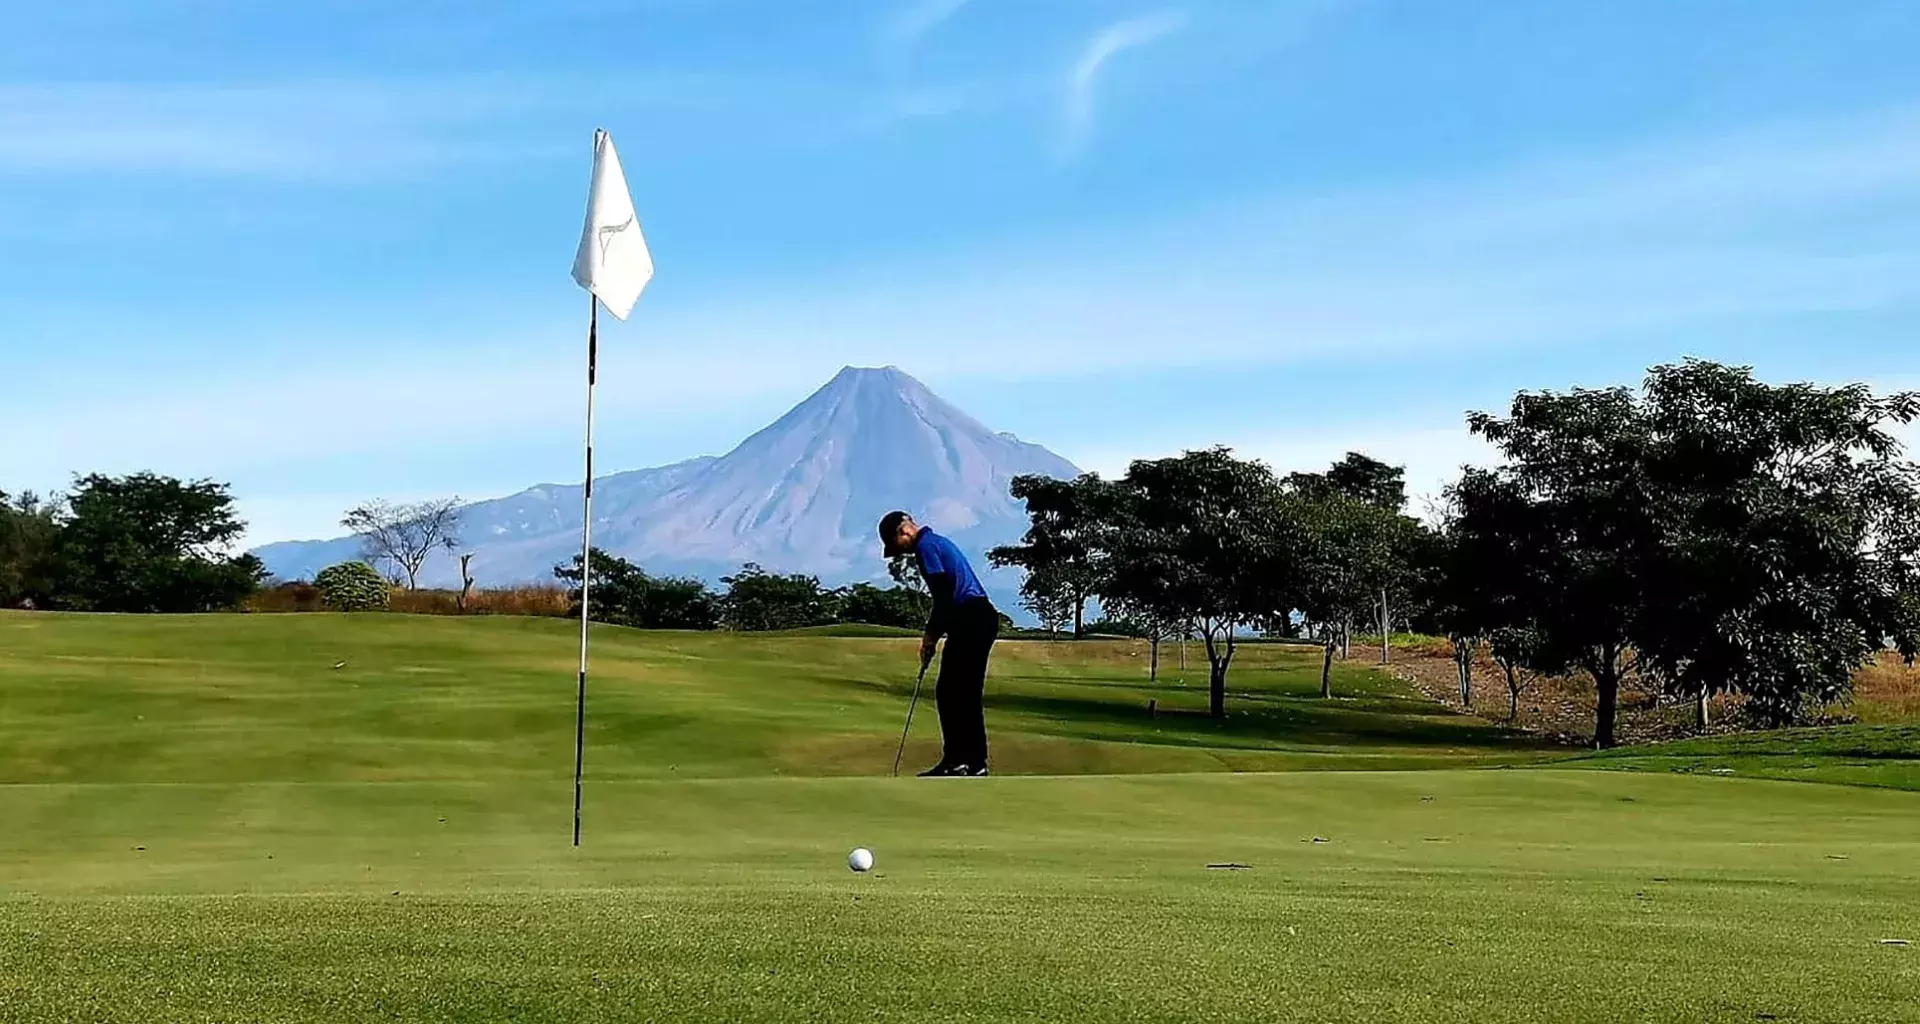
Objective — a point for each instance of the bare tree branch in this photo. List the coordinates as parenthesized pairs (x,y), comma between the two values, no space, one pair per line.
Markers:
(403,535)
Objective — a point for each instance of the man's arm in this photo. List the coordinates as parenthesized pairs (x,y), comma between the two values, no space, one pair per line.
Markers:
(940,585)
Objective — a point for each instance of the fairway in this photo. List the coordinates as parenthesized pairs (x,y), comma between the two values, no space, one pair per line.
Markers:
(205,820)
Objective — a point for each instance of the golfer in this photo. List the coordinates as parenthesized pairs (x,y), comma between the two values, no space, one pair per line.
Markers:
(962,614)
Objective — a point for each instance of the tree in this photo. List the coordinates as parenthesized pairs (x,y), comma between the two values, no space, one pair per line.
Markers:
(1715,533)
(1148,624)
(1366,480)
(760,600)
(352,587)
(148,543)
(1049,602)
(1062,551)
(905,572)
(1378,485)
(1579,518)
(626,595)
(1346,551)
(1512,647)
(403,535)
(466,581)
(1200,539)
(1450,592)
(29,544)
(1790,538)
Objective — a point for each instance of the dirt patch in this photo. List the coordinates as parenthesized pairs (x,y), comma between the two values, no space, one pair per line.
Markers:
(1556,708)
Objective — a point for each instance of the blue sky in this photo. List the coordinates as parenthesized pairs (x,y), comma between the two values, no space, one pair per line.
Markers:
(320,250)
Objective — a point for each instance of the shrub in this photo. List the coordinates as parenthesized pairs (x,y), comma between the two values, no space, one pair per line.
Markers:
(352,587)
(532,599)
(294,596)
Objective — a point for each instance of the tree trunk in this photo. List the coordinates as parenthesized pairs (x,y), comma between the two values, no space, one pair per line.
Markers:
(1607,681)
(1463,663)
(1219,655)
(1346,639)
(1700,711)
(1326,671)
(1386,627)
(1153,665)
(1513,694)
(466,582)
(1217,690)
(1079,616)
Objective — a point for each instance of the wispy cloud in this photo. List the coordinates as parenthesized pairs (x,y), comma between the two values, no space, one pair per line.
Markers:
(911,23)
(307,130)
(347,129)
(1077,112)
(1674,237)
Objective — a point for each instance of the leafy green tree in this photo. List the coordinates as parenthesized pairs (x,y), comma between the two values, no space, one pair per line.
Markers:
(1790,537)
(148,543)
(1202,539)
(1512,649)
(884,606)
(1375,484)
(1474,580)
(1049,603)
(626,595)
(29,545)
(1359,477)
(353,587)
(1580,517)
(1062,551)
(1718,535)
(760,600)
(1345,552)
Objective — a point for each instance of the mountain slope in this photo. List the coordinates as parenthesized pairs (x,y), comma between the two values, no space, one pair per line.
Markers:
(800,495)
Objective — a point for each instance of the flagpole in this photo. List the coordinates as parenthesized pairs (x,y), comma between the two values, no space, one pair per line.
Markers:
(586,566)
(613,265)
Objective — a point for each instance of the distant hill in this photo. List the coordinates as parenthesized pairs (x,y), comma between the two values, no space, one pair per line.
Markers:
(800,495)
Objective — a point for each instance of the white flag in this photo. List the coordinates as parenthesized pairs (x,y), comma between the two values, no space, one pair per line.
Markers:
(613,262)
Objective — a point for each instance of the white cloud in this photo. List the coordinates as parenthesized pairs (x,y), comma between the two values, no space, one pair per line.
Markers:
(1664,237)
(1077,103)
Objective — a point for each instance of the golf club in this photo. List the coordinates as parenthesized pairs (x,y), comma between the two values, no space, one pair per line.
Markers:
(910,706)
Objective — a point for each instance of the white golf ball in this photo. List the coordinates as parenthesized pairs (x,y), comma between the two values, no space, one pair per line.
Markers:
(860,859)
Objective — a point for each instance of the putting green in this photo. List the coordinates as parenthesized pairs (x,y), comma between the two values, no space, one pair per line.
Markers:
(395,847)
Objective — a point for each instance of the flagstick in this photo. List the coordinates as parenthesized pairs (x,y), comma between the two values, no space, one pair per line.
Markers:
(586,568)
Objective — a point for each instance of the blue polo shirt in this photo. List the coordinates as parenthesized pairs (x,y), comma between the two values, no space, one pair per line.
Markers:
(937,554)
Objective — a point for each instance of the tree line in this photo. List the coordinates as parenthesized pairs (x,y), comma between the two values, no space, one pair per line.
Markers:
(751,599)
(1706,533)
(134,543)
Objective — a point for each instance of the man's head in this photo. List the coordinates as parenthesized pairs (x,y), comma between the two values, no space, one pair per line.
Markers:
(898,534)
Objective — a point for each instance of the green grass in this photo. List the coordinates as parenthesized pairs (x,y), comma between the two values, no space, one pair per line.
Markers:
(1860,755)
(258,699)
(201,819)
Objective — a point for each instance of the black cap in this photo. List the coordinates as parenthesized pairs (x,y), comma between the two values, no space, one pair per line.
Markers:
(889,529)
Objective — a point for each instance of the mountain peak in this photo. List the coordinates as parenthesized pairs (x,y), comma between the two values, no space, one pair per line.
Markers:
(799,495)
(892,376)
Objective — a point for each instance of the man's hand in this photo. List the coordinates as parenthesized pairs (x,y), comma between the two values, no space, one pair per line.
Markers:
(928,645)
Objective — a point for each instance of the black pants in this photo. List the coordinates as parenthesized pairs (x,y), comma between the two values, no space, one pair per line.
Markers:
(961,687)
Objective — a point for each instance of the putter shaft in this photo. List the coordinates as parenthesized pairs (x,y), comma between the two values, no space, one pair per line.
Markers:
(898,754)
